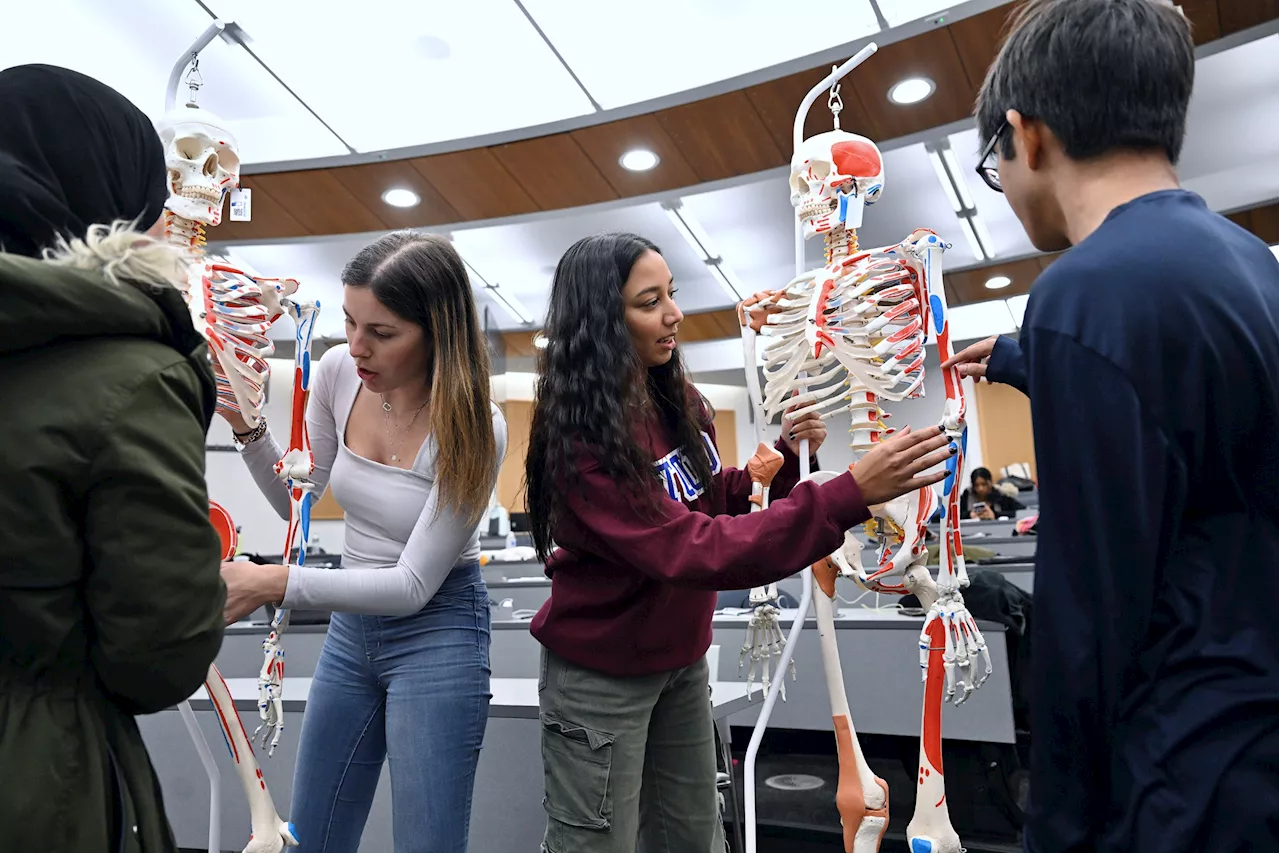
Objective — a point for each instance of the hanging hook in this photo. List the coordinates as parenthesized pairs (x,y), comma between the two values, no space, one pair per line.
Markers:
(194,79)
(833,100)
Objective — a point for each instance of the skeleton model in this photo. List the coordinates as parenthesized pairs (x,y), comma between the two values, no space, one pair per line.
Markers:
(233,311)
(846,337)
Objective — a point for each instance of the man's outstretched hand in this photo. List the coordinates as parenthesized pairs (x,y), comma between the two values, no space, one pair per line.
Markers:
(972,360)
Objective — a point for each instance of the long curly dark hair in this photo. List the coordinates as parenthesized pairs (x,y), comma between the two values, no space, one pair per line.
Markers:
(592,384)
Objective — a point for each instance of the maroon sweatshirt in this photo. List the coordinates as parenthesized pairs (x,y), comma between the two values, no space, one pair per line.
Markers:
(634,594)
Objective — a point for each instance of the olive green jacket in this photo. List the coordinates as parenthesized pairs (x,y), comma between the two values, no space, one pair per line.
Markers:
(110,593)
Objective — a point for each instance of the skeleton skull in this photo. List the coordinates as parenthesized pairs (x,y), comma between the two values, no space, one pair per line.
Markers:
(833,175)
(203,163)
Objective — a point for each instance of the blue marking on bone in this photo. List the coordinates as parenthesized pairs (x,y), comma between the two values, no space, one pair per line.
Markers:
(921,845)
(935,305)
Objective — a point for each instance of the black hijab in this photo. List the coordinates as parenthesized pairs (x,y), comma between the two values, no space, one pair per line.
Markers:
(73,153)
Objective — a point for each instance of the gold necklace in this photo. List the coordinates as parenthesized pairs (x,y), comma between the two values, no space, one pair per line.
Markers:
(386,417)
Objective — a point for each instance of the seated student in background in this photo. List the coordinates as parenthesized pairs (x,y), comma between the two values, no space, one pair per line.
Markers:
(983,501)
(1148,351)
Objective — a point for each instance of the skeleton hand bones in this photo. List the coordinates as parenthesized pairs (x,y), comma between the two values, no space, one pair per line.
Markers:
(964,643)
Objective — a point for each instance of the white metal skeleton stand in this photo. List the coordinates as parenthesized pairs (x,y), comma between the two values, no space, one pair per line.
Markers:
(842,338)
(233,310)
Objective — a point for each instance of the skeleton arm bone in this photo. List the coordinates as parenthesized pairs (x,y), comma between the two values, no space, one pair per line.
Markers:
(262,456)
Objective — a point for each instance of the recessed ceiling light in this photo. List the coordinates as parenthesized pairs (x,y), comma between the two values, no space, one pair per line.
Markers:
(638,160)
(998,281)
(540,341)
(401,198)
(913,90)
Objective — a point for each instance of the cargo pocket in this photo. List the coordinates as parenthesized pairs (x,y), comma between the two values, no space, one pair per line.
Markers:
(575,766)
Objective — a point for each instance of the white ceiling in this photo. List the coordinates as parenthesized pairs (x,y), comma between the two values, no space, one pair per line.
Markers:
(393,74)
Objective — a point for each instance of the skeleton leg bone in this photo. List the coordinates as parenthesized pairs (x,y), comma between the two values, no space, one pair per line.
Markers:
(862,798)
(270,833)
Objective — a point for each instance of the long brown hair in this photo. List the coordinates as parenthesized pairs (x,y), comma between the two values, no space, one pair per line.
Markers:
(422,278)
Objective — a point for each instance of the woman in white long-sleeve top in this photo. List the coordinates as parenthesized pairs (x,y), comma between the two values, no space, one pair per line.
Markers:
(404,432)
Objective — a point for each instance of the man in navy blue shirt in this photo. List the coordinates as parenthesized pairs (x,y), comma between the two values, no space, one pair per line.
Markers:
(1149,353)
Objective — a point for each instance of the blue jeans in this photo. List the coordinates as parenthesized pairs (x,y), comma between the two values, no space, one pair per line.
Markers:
(414,689)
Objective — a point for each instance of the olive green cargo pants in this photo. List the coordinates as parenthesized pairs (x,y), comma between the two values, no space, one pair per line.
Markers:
(629,763)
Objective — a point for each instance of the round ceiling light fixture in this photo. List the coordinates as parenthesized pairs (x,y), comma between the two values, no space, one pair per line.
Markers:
(913,90)
(540,340)
(638,160)
(998,281)
(401,198)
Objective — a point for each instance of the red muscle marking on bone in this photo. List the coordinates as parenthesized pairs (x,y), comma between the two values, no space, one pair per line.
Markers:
(931,736)
(857,158)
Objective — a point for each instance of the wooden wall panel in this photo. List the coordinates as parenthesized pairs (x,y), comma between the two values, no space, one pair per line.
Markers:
(318,200)
(327,508)
(555,172)
(606,143)
(722,137)
(369,181)
(1004,424)
(726,424)
(519,415)
(519,344)
(475,183)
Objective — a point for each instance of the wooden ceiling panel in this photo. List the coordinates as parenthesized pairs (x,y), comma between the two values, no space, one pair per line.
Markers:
(555,172)
(931,54)
(475,183)
(369,181)
(1203,16)
(978,38)
(320,202)
(722,137)
(606,143)
(1236,15)
(1266,224)
(270,218)
(970,285)
(777,102)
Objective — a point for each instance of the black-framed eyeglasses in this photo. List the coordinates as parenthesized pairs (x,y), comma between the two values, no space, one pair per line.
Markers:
(987,169)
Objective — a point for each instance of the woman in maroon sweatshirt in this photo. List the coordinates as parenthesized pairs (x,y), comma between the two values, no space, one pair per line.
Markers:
(623,474)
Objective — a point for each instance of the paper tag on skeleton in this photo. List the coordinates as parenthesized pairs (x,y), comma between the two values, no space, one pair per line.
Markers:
(241,205)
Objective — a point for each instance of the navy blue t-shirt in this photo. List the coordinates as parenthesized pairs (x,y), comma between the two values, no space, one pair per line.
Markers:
(1149,352)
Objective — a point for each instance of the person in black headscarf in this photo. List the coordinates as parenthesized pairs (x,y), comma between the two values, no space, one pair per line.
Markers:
(110,594)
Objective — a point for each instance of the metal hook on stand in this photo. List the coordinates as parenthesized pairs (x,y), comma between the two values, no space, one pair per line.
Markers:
(833,99)
(190,58)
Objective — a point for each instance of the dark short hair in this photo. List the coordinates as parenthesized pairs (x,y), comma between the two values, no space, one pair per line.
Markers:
(1101,74)
(979,474)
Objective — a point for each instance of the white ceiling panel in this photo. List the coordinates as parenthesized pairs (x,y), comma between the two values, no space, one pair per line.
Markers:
(899,12)
(522,257)
(132,48)
(1231,155)
(626,53)
(398,73)
(981,320)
